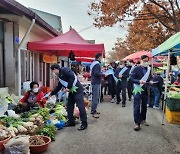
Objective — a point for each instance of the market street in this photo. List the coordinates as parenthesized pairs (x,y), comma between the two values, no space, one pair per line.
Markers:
(113,133)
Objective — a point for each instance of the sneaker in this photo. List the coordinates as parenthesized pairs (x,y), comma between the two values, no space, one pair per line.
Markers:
(92,112)
(117,102)
(95,115)
(95,112)
(157,108)
(123,105)
(70,124)
(137,127)
(82,127)
(144,123)
(112,101)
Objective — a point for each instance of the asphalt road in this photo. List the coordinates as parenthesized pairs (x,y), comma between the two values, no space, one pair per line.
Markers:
(113,133)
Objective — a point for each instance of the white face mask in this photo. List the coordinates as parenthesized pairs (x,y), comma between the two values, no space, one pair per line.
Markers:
(145,64)
(121,66)
(35,90)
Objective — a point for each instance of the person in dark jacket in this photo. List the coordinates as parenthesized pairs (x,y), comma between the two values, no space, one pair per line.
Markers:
(112,83)
(121,74)
(141,77)
(157,89)
(96,76)
(131,66)
(69,81)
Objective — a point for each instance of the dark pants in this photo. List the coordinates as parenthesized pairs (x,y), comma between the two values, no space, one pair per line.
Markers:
(151,98)
(105,88)
(77,98)
(140,107)
(112,89)
(103,91)
(121,87)
(130,89)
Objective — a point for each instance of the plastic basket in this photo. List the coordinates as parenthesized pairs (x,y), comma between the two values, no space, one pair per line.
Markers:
(172,116)
(173,104)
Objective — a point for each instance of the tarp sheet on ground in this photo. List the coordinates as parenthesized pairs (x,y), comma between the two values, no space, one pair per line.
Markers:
(64,43)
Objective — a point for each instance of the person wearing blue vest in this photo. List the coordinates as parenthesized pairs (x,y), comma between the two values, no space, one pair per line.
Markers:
(130,66)
(69,81)
(141,77)
(121,74)
(96,75)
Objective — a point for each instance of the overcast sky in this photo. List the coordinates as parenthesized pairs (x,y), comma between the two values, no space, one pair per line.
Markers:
(74,13)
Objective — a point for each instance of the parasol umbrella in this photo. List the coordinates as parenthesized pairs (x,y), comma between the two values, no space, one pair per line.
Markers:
(137,55)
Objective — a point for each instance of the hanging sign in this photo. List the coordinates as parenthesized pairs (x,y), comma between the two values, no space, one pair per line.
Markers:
(49,58)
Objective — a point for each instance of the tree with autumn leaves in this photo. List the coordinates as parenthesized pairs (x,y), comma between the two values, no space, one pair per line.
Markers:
(151,22)
(147,34)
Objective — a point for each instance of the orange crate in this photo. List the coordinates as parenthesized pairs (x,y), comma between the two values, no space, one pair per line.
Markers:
(172,117)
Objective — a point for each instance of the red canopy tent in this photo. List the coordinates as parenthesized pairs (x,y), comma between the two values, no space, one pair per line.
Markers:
(64,43)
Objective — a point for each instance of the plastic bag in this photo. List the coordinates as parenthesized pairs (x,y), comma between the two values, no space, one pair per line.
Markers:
(51,100)
(17,145)
(61,95)
(65,98)
(3,105)
(15,99)
(12,113)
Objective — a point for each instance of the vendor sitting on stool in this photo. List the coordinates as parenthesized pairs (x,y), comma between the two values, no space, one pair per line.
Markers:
(33,98)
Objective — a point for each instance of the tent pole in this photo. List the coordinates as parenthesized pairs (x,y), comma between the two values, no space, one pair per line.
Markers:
(152,66)
(19,56)
(166,84)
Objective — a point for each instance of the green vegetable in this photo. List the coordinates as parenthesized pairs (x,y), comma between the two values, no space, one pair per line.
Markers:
(7,121)
(48,130)
(28,114)
(44,112)
(9,99)
(59,112)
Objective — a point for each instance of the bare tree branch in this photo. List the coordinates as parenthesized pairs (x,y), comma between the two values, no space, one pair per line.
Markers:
(158,18)
(176,2)
(174,15)
(156,3)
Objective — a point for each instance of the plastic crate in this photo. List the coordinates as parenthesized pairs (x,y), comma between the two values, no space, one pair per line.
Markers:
(173,104)
(172,117)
